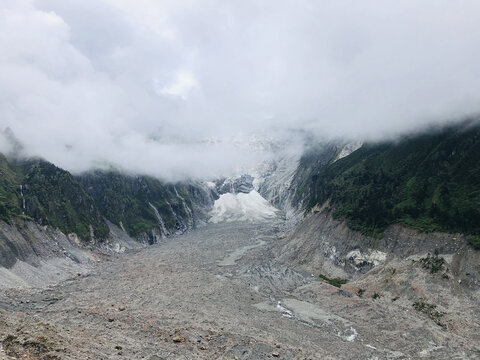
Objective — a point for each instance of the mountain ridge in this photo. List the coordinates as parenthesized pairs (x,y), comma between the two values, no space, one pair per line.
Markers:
(427,181)
(144,207)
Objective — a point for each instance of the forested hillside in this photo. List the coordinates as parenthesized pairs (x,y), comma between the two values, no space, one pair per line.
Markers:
(139,203)
(38,190)
(429,181)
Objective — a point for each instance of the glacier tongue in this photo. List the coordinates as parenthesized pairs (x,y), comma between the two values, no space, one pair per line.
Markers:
(242,207)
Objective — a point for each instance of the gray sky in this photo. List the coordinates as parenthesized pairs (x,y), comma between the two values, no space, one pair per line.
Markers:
(178,88)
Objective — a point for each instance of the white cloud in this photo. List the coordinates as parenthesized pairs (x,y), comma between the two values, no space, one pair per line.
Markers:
(183,83)
(144,84)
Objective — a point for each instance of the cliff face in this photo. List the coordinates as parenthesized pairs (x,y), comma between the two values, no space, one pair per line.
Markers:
(322,243)
(36,255)
(147,208)
(44,210)
(284,181)
(398,198)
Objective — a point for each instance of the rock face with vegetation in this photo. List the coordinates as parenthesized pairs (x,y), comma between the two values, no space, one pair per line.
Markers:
(145,207)
(395,224)
(38,190)
(41,203)
(379,263)
(429,182)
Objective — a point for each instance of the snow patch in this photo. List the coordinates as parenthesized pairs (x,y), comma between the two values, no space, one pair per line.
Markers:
(242,207)
(285,312)
(348,149)
(353,334)
(210,184)
(117,248)
(374,257)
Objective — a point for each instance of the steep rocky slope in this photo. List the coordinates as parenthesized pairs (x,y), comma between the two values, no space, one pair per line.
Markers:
(35,255)
(394,224)
(52,223)
(147,208)
(321,243)
(144,207)
(363,206)
(285,180)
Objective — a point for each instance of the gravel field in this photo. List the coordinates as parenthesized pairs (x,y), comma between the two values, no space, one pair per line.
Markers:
(214,293)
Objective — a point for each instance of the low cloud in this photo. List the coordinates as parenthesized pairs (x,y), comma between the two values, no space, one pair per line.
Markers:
(181,89)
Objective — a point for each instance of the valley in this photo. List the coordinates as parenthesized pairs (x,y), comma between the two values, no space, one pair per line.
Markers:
(218,292)
(344,252)
(239,180)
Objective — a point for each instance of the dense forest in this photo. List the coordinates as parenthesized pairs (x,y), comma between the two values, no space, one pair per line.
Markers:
(428,181)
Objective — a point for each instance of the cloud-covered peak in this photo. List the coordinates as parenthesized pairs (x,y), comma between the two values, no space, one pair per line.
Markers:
(146,85)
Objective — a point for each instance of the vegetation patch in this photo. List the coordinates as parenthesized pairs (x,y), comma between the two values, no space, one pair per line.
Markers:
(433,263)
(338,282)
(40,191)
(430,310)
(474,241)
(38,347)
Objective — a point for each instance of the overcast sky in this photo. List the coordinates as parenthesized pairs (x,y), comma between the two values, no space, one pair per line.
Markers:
(171,88)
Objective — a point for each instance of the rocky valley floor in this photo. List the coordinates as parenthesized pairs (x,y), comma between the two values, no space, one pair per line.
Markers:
(216,293)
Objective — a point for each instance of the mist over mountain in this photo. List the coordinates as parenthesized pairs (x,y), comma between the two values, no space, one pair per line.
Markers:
(214,179)
(183,89)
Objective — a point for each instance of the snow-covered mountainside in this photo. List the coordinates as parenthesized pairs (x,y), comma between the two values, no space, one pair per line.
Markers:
(347,149)
(274,182)
(242,207)
(261,193)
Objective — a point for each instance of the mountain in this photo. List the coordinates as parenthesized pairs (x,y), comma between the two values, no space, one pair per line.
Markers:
(428,181)
(145,207)
(9,202)
(40,191)
(54,224)
(376,237)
